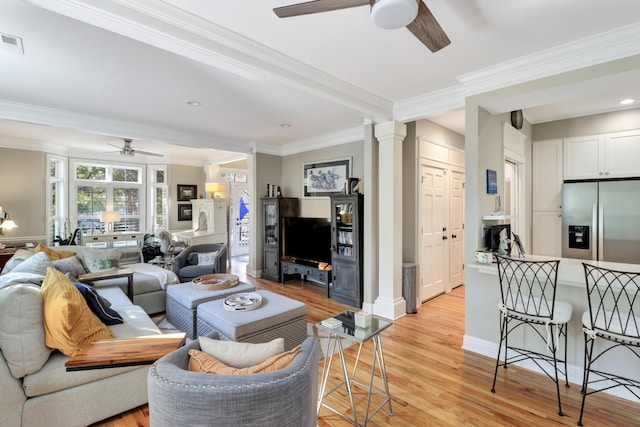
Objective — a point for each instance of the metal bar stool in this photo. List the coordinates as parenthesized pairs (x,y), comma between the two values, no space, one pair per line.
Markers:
(528,301)
(614,319)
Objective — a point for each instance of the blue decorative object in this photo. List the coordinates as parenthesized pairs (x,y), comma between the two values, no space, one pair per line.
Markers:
(492,182)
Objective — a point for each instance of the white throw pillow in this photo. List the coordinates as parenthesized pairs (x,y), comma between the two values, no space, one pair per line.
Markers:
(207,258)
(17,258)
(22,336)
(101,259)
(241,354)
(36,264)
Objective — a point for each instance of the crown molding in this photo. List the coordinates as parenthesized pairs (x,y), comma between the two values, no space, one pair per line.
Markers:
(420,107)
(173,29)
(597,49)
(117,128)
(330,140)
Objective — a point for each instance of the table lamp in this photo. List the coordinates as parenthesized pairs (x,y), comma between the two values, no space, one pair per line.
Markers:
(109,217)
(6,222)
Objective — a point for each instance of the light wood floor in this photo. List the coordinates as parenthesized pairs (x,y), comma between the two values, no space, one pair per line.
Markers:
(433,382)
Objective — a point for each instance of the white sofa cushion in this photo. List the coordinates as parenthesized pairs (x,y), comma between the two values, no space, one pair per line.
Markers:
(36,264)
(17,258)
(22,337)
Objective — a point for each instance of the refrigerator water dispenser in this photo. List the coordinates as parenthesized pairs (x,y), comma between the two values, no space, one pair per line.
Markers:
(579,236)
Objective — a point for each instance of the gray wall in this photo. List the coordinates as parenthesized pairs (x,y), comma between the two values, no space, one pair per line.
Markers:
(616,121)
(186,175)
(23,191)
(292,175)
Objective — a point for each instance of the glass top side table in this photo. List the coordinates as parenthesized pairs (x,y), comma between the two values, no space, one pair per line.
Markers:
(348,330)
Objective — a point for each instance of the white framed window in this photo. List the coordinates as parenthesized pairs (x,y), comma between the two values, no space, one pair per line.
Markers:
(99,186)
(57,197)
(158,197)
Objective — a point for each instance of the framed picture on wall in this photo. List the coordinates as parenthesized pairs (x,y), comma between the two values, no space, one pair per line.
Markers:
(185,212)
(492,182)
(325,178)
(187,192)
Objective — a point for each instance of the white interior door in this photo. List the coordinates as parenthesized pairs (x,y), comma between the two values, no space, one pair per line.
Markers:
(434,260)
(456,228)
(240,214)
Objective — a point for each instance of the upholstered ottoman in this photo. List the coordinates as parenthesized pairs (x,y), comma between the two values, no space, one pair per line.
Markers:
(277,316)
(183,299)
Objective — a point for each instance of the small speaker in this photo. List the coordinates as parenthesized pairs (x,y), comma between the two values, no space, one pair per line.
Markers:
(516,119)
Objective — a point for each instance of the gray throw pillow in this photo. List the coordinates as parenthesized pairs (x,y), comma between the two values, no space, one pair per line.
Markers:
(71,266)
(192,258)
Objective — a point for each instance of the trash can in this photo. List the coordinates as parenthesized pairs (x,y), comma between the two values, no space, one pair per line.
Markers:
(409,291)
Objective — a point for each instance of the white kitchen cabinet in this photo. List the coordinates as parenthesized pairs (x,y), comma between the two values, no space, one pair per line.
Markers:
(611,155)
(547,233)
(547,175)
(621,154)
(582,157)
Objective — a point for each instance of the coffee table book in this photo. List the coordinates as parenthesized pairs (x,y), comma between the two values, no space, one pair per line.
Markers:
(119,352)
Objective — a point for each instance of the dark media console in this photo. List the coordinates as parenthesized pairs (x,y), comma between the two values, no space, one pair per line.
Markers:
(306,269)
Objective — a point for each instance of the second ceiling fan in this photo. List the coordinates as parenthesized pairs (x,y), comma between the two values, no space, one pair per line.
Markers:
(388,14)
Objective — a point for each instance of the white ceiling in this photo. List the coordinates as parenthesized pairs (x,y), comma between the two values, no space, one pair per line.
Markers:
(95,71)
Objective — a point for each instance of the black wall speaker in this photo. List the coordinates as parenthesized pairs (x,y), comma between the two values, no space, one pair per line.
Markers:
(516,119)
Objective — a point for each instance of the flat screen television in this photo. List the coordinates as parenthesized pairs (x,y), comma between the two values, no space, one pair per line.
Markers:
(307,239)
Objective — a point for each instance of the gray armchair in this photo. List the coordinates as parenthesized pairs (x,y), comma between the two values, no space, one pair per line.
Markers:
(187,268)
(285,398)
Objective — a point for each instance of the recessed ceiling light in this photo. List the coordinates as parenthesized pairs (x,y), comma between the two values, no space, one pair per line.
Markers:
(194,103)
(285,125)
(627,101)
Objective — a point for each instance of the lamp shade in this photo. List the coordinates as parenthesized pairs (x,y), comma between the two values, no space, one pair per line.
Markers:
(392,14)
(8,224)
(109,216)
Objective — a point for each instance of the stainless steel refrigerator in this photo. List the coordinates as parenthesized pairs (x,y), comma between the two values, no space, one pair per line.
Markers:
(601,221)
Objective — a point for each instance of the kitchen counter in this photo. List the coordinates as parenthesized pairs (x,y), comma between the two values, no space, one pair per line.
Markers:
(482,293)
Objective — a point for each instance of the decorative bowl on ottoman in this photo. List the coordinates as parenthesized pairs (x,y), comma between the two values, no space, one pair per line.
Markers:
(212,282)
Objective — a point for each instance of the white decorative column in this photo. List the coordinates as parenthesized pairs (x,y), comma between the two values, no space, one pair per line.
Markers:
(390,303)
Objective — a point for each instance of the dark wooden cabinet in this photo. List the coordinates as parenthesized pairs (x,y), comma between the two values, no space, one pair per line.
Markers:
(347,248)
(274,209)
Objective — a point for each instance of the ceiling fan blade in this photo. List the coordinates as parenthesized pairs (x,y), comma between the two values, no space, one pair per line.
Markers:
(117,146)
(316,6)
(427,30)
(147,153)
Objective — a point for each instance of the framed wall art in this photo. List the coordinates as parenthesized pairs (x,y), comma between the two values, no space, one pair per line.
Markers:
(325,178)
(185,212)
(187,192)
(492,182)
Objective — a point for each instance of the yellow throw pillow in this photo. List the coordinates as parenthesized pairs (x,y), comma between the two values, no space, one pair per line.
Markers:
(54,254)
(69,324)
(202,362)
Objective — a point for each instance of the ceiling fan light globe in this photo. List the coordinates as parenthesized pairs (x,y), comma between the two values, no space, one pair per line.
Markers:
(392,14)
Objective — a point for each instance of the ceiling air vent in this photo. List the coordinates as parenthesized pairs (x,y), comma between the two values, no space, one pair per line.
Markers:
(11,44)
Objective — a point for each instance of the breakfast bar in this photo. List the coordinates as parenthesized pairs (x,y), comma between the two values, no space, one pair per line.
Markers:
(482,330)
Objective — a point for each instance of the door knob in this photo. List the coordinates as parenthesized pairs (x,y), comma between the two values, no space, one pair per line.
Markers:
(453,236)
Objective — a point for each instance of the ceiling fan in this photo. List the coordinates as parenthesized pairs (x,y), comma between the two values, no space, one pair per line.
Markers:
(388,14)
(127,150)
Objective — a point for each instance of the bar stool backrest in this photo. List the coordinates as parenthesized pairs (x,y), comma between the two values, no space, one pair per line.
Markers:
(527,287)
(614,303)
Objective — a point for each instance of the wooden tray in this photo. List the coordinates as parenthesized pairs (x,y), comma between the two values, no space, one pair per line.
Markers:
(214,282)
(124,351)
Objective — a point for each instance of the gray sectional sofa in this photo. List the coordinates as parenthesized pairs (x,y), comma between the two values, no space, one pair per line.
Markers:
(36,388)
(149,281)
